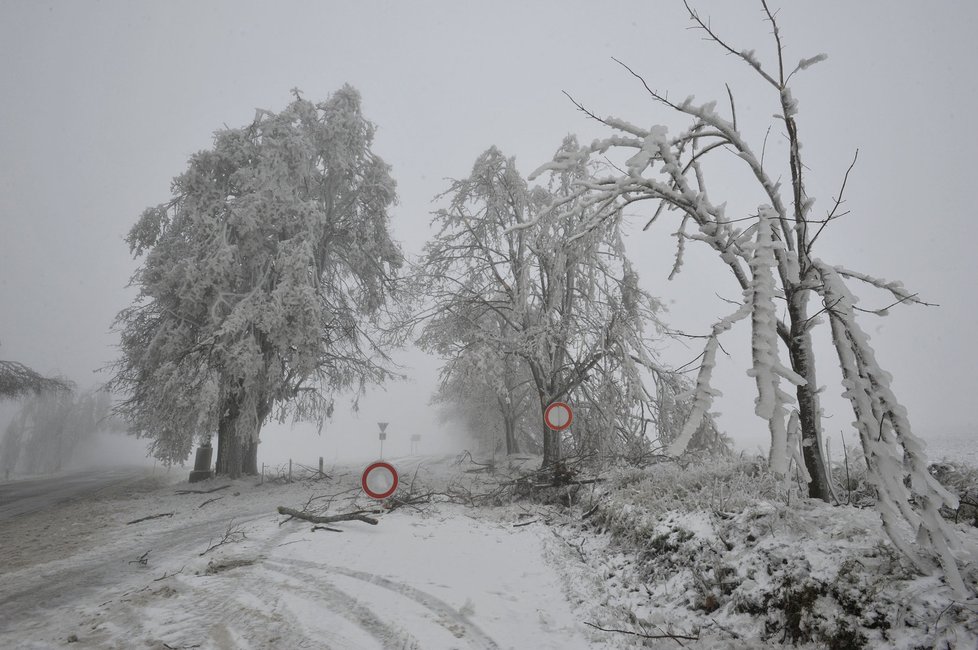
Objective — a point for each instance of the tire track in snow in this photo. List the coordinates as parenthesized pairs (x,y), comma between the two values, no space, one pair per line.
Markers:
(446,616)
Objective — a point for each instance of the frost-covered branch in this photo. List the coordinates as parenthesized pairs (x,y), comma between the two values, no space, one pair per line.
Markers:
(892,450)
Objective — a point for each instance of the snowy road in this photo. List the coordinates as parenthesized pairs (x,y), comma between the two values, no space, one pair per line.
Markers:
(447,577)
(31,495)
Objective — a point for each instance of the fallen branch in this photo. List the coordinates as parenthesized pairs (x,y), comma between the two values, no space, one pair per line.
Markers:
(332,530)
(168,575)
(572,482)
(162,514)
(210,501)
(412,500)
(231,535)
(674,637)
(142,559)
(526,523)
(223,487)
(357,515)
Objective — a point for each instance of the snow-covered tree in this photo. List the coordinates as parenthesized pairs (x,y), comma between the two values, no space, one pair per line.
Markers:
(261,281)
(771,257)
(541,286)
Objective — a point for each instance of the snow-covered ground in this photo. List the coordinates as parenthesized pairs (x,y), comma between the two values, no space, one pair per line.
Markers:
(440,577)
(715,553)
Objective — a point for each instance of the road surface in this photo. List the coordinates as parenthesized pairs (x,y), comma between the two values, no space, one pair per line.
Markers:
(36,494)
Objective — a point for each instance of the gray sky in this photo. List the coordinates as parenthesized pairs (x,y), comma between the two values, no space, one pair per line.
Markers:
(103,103)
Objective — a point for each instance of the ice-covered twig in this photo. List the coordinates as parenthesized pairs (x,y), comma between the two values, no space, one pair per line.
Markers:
(894,287)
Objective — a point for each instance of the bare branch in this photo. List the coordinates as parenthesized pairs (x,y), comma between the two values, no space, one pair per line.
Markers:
(745,56)
(838,202)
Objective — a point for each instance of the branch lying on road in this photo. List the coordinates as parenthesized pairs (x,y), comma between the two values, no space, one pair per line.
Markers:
(231,535)
(357,515)
(142,559)
(209,501)
(162,514)
(223,487)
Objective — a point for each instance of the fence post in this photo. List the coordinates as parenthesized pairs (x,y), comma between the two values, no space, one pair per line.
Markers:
(290,470)
(262,474)
(320,466)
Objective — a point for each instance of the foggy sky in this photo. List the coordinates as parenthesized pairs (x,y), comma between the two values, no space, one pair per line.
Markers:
(104,102)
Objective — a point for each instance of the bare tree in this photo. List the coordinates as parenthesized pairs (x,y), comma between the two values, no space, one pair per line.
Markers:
(772,258)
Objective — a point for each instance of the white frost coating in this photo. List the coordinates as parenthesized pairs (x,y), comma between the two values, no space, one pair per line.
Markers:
(804,64)
(649,151)
(788,103)
(627,127)
(702,399)
(795,447)
(894,287)
(703,393)
(767,368)
(563,160)
(883,429)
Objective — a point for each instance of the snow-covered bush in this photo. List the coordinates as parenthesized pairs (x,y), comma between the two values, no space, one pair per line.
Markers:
(726,549)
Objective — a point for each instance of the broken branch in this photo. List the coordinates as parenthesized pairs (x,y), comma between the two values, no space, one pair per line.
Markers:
(357,515)
(223,487)
(162,514)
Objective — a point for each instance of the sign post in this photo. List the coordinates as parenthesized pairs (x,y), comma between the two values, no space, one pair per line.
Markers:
(415,439)
(382,436)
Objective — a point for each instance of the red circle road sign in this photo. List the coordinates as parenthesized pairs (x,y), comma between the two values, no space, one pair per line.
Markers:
(379,468)
(558,416)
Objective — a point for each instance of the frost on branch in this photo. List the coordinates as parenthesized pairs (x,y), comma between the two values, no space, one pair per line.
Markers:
(804,64)
(702,398)
(704,393)
(795,445)
(883,430)
(767,368)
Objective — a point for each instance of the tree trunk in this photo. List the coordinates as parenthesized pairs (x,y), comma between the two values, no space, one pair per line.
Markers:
(512,446)
(802,362)
(223,442)
(551,440)
(250,458)
(235,455)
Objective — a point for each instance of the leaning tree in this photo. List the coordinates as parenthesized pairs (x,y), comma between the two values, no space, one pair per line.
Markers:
(771,256)
(262,281)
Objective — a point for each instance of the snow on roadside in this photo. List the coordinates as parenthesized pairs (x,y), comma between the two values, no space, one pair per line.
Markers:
(682,553)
